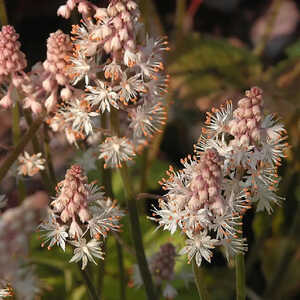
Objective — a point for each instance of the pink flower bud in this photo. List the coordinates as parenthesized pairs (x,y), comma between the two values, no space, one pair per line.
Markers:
(6,102)
(107,46)
(66,94)
(83,8)
(244,140)
(115,43)
(48,84)
(51,102)
(101,13)
(64,11)
(131,5)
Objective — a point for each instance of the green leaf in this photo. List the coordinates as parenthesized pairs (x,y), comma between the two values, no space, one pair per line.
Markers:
(78,293)
(202,65)
(293,50)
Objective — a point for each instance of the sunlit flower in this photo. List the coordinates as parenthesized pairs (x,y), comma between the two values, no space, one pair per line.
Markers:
(147,119)
(199,246)
(115,150)
(102,96)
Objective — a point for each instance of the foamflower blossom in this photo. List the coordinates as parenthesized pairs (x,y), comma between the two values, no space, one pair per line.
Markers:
(30,165)
(80,216)
(86,251)
(115,71)
(115,150)
(234,168)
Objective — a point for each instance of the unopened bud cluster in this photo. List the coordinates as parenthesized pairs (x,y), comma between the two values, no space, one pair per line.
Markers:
(246,124)
(162,268)
(235,165)
(162,263)
(12,59)
(81,215)
(206,180)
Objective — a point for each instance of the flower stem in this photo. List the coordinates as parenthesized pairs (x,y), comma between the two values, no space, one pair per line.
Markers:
(240,270)
(48,155)
(134,218)
(3,13)
(37,149)
(199,282)
(121,271)
(240,277)
(20,147)
(89,284)
(274,10)
(136,234)
(16,139)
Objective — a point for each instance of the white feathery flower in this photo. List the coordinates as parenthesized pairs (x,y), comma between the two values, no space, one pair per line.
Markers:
(80,115)
(149,58)
(129,88)
(6,292)
(54,233)
(130,58)
(147,119)
(217,120)
(273,128)
(226,225)
(233,246)
(199,246)
(113,71)
(86,251)
(102,95)
(115,150)
(273,150)
(81,67)
(83,39)
(106,217)
(30,165)
(168,219)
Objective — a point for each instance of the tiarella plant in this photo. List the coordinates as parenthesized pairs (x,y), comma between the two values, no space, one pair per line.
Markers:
(235,166)
(101,90)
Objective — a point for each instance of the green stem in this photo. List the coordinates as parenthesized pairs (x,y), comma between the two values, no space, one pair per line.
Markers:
(275,8)
(12,157)
(3,13)
(48,155)
(134,218)
(240,274)
(240,270)
(16,130)
(16,124)
(145,168)
(121,271)
(179,20)
(101,270)
(37,149)
(136,234)
(89,284)
(199,281)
